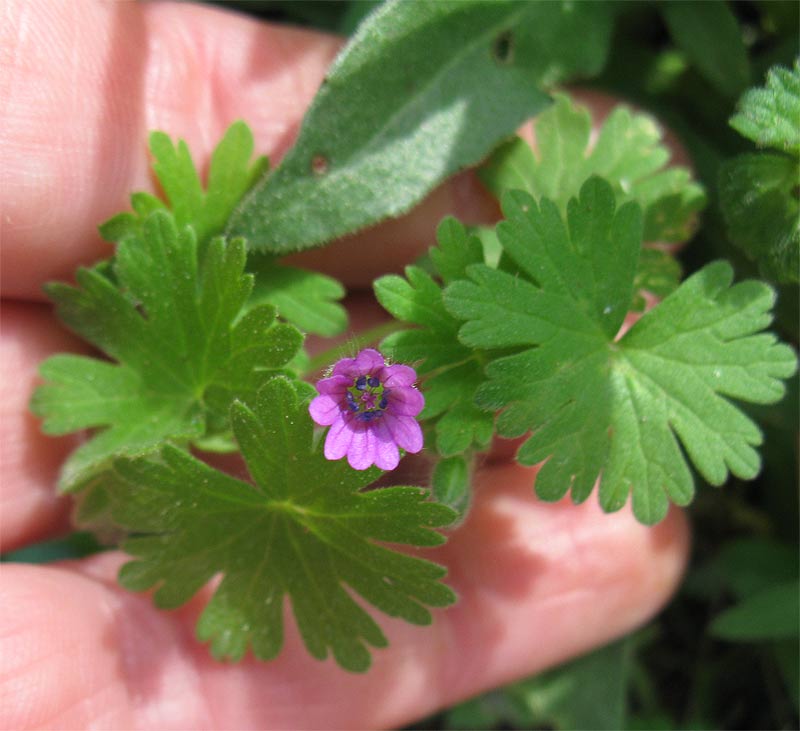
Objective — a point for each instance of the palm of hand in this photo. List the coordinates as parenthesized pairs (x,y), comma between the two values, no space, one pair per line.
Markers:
(538,583)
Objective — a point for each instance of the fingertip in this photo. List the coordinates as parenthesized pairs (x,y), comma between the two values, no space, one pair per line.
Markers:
(84,84)
(548,580)
(31,461)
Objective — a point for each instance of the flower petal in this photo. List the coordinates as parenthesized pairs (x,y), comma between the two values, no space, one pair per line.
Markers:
(338,440)
(324,410)
(363,447)
(345,367)
(405,431)
(387,456)
(394,376)
(405,401)
(335,385)
(369,361)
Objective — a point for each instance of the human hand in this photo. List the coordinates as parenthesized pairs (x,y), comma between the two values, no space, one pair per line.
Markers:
(537,582)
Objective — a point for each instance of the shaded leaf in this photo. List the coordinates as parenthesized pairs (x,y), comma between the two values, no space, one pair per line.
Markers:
(421,91)
(709,34)
(170,323)
(769,115)
(616,409)
(302,530)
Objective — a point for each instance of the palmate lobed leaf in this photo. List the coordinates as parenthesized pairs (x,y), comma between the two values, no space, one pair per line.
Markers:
(629,153)
(758,192)
(302,530)
(761,211)
(616,410)
(451,372)
(171,322)
(308,300)
(231,173)
(768,115)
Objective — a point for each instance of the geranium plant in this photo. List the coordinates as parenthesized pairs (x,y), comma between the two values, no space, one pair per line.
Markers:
(569,324)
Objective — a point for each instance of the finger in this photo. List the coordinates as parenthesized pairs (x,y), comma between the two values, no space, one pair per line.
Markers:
(357,259)
(102,74)
(85,83)
(538,583)
(30,460)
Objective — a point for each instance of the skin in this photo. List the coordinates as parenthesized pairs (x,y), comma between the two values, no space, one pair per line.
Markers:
(539,583)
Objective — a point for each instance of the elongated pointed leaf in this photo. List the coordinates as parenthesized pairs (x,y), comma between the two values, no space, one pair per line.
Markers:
(423,90)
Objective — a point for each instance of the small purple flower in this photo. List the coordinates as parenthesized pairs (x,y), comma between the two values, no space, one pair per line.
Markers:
(370,408)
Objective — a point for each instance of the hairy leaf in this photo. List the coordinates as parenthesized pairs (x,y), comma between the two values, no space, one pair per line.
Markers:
(451,483)
(231,174)
(769,115)
(302,530)
(613,410)
(628,152)
(451,371)
(309,300)
(758,197)
(421,91)
(306,299)
(170,323)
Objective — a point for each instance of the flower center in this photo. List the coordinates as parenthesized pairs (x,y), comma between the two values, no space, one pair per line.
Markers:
(366,398)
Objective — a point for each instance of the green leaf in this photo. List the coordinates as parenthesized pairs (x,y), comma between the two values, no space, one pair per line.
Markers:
(589,692)
(628,152)
(709,34)
(451,372)
(758,197)
(607,408)
(769,115)
(230,176)
(451,483)
(421,91)
(231,173)
(787,656)
(658,273)
(73,546)
(301,530)
(753,564)
(770,614)
(171,326)
(309,300)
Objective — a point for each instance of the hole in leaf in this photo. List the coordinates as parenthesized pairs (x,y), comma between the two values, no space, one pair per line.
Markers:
(503,47)
(319,165)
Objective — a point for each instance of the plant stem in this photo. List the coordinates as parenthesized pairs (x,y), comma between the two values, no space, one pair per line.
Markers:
(357,342)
